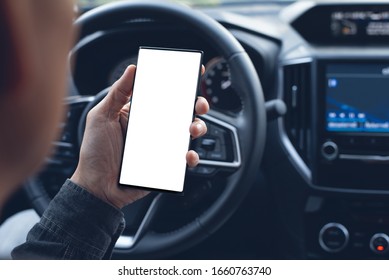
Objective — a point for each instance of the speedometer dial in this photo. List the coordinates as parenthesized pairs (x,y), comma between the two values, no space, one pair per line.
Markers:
(216,86)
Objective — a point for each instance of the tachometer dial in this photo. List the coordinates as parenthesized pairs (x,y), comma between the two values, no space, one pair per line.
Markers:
(216,86)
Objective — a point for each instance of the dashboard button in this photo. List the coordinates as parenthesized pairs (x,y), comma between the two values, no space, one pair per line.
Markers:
(333,237)
(352,141)
(329,150)
(358,245)
(379,243)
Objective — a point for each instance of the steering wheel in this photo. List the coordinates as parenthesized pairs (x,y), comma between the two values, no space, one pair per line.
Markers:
(245,132)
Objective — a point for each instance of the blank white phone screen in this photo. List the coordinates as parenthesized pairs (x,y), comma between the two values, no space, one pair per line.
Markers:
(161,112)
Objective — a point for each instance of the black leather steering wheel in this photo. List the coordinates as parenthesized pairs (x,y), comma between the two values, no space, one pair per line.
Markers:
(247,129)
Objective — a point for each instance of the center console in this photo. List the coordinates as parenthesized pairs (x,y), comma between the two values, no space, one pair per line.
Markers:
(338,125)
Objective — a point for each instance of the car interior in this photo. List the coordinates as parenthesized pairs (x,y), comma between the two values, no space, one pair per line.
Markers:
(295,163)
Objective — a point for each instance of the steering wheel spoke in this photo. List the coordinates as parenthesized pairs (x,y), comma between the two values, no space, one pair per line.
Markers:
(65,149)
(219,149)
(145,210)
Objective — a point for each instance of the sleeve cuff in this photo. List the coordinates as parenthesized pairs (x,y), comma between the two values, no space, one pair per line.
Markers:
(84,221)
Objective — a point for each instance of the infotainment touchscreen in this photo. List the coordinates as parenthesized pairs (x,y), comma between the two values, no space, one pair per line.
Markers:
(357,97)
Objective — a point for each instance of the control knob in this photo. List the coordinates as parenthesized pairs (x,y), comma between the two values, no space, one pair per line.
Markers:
(329,150)
(333,237)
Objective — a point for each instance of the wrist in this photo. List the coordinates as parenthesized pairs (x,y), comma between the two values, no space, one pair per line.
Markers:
(93,188)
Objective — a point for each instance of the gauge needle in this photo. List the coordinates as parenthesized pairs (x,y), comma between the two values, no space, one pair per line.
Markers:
(225,84)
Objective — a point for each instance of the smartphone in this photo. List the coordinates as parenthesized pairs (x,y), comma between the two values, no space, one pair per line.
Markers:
(161,112)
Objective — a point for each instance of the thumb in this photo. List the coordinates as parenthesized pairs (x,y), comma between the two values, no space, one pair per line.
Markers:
(120,93)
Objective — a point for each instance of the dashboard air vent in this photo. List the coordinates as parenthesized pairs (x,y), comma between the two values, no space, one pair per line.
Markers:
(297,97)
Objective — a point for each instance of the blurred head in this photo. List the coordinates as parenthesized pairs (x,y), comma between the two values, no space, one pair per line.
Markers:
(35,37)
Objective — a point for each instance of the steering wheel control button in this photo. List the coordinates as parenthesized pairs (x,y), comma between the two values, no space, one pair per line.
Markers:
(208,144)
(379,243)
(329,150)
(66,136)
(201,152)
(203,170)
(333,237)
(216,132)
(213,146)
(217,156)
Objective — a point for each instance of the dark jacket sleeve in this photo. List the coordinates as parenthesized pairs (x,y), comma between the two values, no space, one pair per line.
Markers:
(76,225)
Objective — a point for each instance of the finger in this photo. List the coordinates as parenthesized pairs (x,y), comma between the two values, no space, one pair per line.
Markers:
(202,69)
(198,128)
(126,109)
(192,158)
(123,123)
(124,117)
(202,106)
(120,93)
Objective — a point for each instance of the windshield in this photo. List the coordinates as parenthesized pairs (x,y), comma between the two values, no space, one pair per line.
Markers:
(94,3)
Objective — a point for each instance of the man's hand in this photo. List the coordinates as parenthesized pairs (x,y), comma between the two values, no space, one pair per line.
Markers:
(102,146)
